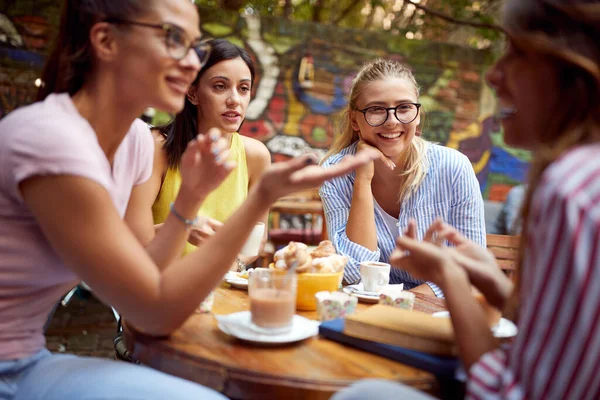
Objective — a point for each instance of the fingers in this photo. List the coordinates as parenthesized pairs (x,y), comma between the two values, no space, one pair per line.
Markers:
(297,164)
(453,236)
(214,224)
(411,229)
(391,163)
(396,258)
(387,161)
(407,243)
(312,175)
(362,146)
(433,233)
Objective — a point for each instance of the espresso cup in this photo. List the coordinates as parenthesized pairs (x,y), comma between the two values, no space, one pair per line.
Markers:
(374,275)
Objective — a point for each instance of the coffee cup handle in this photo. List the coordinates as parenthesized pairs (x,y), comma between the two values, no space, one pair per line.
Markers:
(383,279)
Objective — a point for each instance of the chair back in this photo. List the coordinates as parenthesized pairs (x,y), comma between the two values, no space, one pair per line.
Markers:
(506,250)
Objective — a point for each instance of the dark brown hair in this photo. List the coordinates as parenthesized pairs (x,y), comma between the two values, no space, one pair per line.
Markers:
(71,58)
(184,126)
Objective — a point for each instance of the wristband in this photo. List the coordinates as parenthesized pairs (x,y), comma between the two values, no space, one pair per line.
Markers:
(189,223)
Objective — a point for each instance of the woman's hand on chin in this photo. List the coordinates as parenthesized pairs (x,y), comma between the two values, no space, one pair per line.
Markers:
(367,171)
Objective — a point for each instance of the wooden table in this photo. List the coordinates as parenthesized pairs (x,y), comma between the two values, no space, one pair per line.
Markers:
(311,369)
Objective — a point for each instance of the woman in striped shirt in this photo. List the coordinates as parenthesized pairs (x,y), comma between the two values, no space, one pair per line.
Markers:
(548,83)
(412,179)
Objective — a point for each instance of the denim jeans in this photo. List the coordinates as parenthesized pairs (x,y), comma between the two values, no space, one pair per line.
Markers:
(63,377)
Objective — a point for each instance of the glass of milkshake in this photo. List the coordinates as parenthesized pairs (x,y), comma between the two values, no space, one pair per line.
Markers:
(272,300)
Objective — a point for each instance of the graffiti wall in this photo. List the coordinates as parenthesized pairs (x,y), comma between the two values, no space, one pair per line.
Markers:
(292,115)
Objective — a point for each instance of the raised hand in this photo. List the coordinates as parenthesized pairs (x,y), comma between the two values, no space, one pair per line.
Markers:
(301,173)
(204,164)
(423,260)
(367,170)
(479,263)
(204,229)
(439,232)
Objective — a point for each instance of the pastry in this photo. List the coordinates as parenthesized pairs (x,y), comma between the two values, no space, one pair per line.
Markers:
(329,264)
(324,249)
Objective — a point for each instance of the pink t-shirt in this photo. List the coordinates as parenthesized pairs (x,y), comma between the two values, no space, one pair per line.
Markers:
(50,138)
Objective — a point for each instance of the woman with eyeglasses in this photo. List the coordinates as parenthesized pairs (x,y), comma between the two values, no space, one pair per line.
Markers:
(410,180)
(218,98)
(71,165)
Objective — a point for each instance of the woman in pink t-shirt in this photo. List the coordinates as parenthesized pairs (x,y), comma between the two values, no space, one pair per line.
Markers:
(73,169)
(548,85)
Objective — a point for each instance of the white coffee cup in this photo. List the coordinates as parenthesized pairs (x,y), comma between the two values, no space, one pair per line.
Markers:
(374,275)
(252,245)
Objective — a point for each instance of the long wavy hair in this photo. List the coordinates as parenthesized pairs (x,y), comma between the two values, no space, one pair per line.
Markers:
(71,58)
(564,32)
(184,126)
(416,162)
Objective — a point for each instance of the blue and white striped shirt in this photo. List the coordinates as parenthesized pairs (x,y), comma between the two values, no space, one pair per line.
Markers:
(449,190)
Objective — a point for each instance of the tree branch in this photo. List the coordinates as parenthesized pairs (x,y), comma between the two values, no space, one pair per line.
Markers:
(451,19)
(346,11)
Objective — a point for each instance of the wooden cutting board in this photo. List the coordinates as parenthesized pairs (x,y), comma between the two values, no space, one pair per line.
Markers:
(409,329)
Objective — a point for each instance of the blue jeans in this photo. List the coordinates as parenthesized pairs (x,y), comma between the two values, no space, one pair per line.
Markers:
(63,377)
(380,389)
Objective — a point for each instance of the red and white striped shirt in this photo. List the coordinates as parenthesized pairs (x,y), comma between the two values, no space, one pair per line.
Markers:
(556,354)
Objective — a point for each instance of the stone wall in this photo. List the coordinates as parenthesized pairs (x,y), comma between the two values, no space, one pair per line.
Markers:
(292,119)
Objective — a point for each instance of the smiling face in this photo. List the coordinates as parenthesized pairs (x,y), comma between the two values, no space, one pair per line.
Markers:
(145,68)
(393,136)
(526,85)
(222,95)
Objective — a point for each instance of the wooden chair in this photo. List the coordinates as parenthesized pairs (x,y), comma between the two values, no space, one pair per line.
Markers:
(506,250)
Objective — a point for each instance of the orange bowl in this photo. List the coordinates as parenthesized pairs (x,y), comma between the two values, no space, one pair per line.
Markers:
(311,283)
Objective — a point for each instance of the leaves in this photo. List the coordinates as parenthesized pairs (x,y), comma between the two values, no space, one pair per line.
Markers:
(456,21)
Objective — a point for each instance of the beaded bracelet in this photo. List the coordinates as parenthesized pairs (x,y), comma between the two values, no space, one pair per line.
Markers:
(189,223)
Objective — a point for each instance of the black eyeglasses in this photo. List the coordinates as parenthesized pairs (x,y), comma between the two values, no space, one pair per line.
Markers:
(405,113)
(177,42)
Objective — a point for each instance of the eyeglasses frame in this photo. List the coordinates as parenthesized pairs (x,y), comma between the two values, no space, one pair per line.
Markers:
(387,113)
(167,27)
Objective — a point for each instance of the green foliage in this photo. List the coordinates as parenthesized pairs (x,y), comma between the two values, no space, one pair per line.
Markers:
(399,17)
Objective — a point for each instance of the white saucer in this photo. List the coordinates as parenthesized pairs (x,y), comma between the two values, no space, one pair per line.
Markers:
(235,281)
(358,291)
(238,325)
(502,330)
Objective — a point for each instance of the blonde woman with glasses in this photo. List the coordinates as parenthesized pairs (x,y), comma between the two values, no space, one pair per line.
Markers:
(409,185)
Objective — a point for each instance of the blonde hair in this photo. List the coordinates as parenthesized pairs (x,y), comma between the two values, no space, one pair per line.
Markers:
(416,162)
(565,32)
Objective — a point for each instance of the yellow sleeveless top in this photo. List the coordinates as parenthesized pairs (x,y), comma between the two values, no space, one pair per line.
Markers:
(220,203)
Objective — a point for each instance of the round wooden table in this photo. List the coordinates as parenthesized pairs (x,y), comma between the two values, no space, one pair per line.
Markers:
(311,369)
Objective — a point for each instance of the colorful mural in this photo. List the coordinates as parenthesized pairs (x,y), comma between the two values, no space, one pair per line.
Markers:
(292,117)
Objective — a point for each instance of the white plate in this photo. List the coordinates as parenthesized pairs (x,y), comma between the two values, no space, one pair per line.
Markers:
(238,325)
(235,281)
(503,329)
